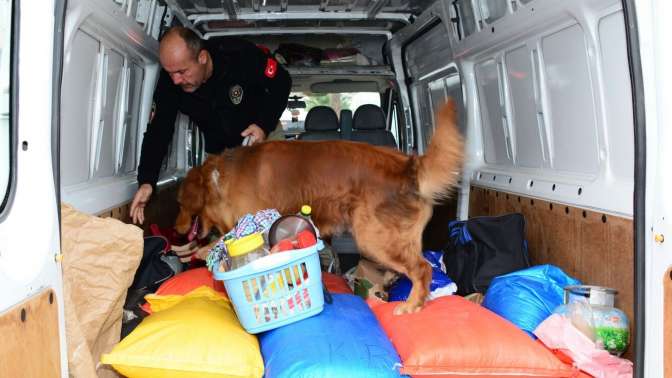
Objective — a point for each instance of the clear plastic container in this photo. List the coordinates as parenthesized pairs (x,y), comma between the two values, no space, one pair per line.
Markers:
(591,309)
(246,249)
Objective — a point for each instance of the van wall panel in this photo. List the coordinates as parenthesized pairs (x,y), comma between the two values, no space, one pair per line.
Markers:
(496,148)
(31,339)
(520,79)
(618,99)
(596,248)
(77,100)
(572,109)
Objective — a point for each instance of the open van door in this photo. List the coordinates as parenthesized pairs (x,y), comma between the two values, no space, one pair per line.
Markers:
(31,300)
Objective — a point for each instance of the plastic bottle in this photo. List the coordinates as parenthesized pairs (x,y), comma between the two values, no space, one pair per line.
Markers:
(328,258)
(246,249)
(305,212)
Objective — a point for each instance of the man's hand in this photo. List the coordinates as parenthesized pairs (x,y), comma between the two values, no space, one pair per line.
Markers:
(139,202)
(257,134)
(186,251)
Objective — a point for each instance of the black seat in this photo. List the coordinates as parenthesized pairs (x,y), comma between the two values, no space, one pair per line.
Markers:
(321,124)
(368,125)
(346,124)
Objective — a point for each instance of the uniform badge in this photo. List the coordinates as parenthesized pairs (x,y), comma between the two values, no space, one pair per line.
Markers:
(236,94)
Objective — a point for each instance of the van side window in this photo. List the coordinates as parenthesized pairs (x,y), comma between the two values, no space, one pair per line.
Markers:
(6,162)
(100,142)
(463,18)
(433,92)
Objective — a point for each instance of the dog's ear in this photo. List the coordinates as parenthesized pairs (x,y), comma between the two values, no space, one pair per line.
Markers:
(191,198)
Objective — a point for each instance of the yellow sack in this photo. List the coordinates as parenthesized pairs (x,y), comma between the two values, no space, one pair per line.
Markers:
(195,335)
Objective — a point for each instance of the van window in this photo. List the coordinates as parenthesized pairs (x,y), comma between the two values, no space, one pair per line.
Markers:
(492,10)
(463,18)
(292,119)
(5,109)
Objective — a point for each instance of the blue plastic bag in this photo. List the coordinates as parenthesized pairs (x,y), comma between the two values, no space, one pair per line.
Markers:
(344,340)
(441,284)
(527,297)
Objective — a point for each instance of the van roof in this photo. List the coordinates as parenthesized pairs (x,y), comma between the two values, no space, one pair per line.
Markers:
(235,17)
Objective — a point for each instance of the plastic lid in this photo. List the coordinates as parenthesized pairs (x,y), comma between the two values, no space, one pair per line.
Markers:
(306,210)
(245,244)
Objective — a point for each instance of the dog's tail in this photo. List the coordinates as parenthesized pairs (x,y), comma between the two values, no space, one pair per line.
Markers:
(439,168)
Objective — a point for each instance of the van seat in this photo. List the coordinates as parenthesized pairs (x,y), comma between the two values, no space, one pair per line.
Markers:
(321,124)
(369,126)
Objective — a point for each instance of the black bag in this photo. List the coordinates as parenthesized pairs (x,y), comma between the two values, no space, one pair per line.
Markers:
(485,247)
(158,264)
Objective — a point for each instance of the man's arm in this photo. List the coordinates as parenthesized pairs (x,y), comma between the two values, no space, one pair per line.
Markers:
(159,134)
(155,145)
(276,85)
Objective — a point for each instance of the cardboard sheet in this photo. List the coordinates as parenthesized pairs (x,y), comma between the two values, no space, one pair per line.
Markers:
(373,280)
(100,257)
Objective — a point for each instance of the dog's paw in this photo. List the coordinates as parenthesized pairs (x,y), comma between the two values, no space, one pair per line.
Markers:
(407,308)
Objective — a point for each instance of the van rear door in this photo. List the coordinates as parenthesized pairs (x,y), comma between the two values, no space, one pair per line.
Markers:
(31,301)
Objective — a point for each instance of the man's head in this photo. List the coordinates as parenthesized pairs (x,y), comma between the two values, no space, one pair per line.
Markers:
(182,55)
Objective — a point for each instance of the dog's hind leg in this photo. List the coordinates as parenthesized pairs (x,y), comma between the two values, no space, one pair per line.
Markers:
(399,249)
(420,274)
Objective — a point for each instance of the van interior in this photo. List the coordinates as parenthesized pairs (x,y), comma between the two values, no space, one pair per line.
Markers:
(546,93)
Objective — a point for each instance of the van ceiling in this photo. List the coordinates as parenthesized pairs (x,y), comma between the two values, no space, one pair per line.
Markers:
(237,17)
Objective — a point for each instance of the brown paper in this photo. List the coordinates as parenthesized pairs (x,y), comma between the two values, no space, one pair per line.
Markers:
(100,257)
(372,279)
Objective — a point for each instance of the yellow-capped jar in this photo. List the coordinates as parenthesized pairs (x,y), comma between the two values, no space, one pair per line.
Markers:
(246,249)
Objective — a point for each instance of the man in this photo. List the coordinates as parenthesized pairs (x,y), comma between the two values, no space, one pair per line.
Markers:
(231,89)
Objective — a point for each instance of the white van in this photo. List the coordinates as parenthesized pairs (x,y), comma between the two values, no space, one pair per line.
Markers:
(563,105)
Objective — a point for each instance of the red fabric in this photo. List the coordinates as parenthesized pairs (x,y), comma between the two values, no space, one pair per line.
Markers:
(335,284)
(169,233)
(562,356)
(452,337)
(265,49)
(185,282)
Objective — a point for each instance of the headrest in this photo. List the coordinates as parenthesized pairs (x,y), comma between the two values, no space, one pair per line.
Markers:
(369,117)
(321,118)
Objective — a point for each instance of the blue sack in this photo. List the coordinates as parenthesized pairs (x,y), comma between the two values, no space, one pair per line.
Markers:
(441,284)
(344,340)
(527,297)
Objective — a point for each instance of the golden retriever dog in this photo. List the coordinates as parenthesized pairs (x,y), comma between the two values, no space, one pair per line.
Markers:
(382,196)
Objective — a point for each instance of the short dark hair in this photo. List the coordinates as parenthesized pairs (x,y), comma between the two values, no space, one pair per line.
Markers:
(193,41)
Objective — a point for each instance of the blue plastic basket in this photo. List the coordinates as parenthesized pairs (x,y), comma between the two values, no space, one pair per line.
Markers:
(276,290)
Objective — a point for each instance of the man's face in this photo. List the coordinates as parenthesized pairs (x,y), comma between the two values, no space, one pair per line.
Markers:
(185,69)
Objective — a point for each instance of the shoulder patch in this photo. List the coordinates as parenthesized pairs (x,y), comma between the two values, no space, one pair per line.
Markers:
(271,68)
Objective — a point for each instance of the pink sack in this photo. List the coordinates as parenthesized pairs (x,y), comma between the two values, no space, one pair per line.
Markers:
(558,332)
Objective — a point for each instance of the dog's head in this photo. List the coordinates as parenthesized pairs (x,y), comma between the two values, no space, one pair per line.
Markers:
(192,198)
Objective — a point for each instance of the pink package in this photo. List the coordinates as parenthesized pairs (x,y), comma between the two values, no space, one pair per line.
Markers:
(558,332)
